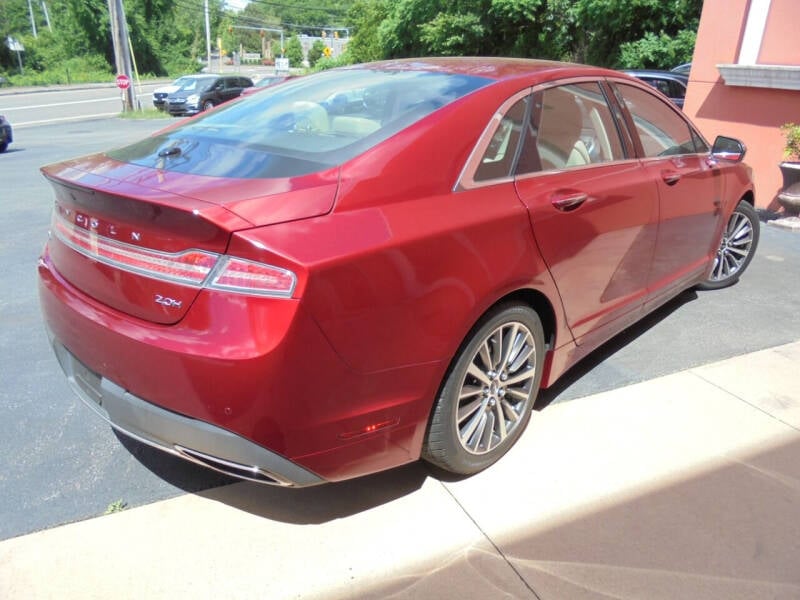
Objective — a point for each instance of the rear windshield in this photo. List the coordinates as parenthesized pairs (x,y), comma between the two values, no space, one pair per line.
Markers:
(301,126)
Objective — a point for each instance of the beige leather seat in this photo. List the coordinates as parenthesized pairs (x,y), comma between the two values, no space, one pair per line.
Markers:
(311,117)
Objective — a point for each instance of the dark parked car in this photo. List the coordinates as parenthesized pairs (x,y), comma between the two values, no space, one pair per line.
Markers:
(197,93)
(683,69)
(671,84)
(294,290)
(6,135)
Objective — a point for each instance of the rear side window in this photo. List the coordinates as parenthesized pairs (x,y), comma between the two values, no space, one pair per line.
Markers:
(498,159)
(570,126)
(661,131)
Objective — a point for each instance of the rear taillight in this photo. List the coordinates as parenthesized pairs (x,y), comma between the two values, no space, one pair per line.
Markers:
(248,277)
(195,268)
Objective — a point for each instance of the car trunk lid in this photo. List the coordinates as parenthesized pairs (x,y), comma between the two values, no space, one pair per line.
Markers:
(143,241)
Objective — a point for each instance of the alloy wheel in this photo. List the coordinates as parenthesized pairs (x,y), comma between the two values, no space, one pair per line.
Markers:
(496,388)
(734,249)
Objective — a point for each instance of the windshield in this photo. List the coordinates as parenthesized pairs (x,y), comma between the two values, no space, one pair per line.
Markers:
(304,125)
(193,84)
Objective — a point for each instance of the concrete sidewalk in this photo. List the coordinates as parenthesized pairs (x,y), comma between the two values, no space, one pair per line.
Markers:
(686,486)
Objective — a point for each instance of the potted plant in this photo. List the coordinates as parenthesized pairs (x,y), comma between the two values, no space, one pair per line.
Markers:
(789,197)
(790,167)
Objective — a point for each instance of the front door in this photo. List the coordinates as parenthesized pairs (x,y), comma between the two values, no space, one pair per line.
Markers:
(689,188)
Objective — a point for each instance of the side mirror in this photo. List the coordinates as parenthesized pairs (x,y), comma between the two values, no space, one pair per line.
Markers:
(726,148)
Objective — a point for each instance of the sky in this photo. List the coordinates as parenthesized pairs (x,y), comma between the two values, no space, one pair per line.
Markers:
(236,4)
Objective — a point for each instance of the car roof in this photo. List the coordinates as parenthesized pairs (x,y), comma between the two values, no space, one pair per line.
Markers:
(497,68)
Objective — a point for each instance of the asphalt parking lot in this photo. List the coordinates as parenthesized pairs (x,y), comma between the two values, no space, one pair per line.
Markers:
(59,463)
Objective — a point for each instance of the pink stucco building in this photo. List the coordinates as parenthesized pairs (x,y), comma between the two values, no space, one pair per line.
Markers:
(745,81)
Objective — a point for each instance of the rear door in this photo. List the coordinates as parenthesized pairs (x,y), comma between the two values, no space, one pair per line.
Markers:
(593,209)
(689,186)
(232,88)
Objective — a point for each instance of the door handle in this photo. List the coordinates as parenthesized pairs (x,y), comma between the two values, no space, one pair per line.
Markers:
(670,177)
(568,201)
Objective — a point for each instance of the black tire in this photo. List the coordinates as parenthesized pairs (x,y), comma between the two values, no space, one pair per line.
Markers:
(208,105)
(3,147)
(494,400)
(736,248)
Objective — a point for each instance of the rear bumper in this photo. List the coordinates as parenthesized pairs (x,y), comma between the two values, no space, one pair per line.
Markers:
(190,439)
(257,377)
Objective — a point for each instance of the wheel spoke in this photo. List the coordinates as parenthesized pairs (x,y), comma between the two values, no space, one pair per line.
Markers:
(465,410)
(524,351)
(486,355)
(468,391)
(500,420)
(497,350)
(509,411)
(509,344)
(738,251)
(476,423)
(478,374)
(522,376)
(520,394)
(739,225)
(485,440)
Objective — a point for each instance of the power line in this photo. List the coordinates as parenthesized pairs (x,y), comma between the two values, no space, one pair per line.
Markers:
(332,10)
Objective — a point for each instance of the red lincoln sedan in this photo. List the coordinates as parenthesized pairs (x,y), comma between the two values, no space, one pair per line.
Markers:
(294,290)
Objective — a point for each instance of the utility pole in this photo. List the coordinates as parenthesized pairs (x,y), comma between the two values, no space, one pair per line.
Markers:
(46,16)
(208,39)
(122,55)
(33,21)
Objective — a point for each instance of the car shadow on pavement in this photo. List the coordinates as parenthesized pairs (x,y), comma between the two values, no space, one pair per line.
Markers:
(317,504)
(611,347)
(323,503)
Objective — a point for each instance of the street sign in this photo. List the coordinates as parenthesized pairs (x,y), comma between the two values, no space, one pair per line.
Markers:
(282,65)
(14,45)
(123,81)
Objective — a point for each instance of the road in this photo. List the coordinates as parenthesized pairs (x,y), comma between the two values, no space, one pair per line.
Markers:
(63,104)
(68,103)
(60,463)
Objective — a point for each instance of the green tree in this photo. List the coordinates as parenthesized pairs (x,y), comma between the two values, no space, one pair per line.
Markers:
(365,18)
(315,52)
(294,51)
(453,34)
(603,27)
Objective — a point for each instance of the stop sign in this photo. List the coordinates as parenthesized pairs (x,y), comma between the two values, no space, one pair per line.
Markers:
(123,81)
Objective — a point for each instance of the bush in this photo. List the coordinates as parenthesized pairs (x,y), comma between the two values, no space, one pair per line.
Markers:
(180,65)
(333,62)
(791,150)
(78,69)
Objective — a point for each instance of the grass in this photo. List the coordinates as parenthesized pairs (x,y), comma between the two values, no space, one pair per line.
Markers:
(146,113)
(115,507)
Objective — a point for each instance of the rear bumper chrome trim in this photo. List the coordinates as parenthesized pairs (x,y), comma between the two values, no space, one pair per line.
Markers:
(191,439)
